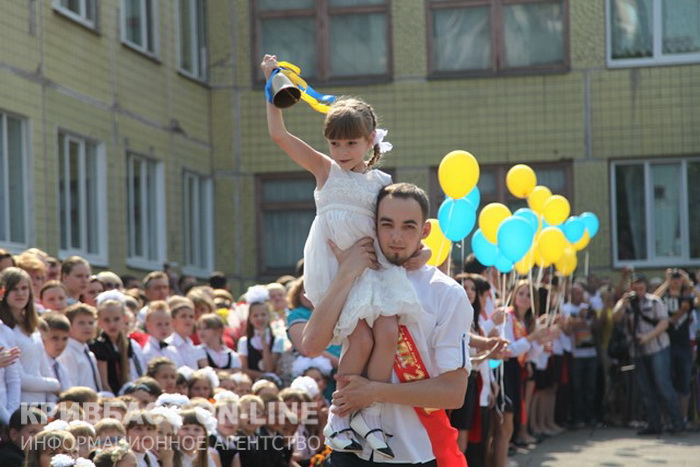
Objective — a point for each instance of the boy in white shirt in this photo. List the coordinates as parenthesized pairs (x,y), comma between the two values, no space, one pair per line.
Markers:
(158,325)
(77,358)
(55,330)
(182,313)
(141,434)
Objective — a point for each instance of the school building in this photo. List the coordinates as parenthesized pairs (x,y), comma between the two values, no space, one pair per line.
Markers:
(132,132)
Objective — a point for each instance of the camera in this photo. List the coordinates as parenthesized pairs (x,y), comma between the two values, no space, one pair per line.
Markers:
(634,300)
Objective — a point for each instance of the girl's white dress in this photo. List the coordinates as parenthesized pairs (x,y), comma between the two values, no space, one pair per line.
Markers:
(345,211)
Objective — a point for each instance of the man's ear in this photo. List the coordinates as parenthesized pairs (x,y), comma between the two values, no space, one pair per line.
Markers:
(426,230)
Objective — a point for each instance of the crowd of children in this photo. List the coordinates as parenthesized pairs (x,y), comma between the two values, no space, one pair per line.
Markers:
(159,372)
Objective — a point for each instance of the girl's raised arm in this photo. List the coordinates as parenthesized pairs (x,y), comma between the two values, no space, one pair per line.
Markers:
(300,152)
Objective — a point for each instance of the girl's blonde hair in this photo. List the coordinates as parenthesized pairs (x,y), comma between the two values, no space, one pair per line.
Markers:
(352,118)
(9,279)
(122,339)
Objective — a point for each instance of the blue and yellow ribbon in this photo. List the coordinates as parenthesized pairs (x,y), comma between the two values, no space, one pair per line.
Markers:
(317,101)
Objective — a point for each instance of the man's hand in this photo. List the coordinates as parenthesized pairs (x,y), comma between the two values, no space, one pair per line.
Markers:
(357,258)
(419,259)
(643,339)
(356,393)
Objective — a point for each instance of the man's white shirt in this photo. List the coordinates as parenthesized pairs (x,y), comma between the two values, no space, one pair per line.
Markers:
(441,335)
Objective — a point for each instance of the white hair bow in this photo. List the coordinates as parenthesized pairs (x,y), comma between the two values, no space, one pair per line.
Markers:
(384,146)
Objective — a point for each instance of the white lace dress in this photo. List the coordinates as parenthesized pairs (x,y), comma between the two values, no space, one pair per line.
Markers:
(345,209)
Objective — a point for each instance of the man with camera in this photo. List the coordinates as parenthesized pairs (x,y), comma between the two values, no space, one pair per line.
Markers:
(646,321)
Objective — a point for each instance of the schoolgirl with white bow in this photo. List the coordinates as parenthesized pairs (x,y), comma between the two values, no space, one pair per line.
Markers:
(347,184)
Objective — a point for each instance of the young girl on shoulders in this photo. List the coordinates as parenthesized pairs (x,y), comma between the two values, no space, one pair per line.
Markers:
(347,184)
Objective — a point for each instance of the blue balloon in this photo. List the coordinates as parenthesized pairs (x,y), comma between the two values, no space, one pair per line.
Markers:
(529,215)
(493,364)
(474,197)
(574,228)
(457,218)
(515,236)
(592,223)
(485,251)
(503,264)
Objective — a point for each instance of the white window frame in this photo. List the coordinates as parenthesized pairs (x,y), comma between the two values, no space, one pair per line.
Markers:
(16,247)
(652,260)
(152,50)
(199,51)
(658,57)
(79,17)
(205,233)
(146,262)
(101,258)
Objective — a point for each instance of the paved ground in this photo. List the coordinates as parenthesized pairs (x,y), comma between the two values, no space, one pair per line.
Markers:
(613,447)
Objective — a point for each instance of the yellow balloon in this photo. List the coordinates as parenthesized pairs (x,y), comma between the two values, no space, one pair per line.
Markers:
(536,199)
(458,174)
(524,265)
(490,219)
(583,242)
(551,244)
(566,265)
(521,180)
(540,261)
(556,210)
(440,246)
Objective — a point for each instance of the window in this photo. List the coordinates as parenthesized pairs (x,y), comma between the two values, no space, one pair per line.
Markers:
(192,38)
(82,11)
(287,209)
(13,181)
(557,176)
(198,225)
(145,212)
(140,25)
(653,32)
(656,212)
(497,36)
(82,202)
(328,39)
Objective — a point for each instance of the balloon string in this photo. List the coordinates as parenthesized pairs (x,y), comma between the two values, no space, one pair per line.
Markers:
(532,290)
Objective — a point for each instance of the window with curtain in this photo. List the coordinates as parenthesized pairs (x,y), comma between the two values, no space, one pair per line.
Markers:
(497,36)
(145,212)
(13,181)
(331,39)
(192,38)
(82,11)
(286,211)
(648,32)
(140,25)
(656,219)
(81,186)
(198,223)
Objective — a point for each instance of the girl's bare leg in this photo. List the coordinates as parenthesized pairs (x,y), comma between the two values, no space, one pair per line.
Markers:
(386,334)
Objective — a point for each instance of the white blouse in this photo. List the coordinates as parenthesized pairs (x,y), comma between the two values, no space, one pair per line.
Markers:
(10,378)
(37,378)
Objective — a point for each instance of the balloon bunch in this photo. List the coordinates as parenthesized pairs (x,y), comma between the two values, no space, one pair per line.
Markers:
(458,175)
(542,234)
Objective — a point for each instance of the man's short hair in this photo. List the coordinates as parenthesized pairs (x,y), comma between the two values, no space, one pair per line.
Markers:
(406,191)
(218,280)
(473,265)
(153,275)
(24,413)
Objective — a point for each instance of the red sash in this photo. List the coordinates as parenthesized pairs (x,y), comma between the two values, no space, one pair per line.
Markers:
(409,366)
